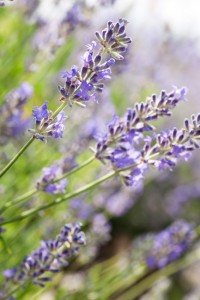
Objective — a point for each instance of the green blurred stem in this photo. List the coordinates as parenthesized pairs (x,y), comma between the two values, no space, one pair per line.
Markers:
(57,201)
(35,191)
(59,109)
(71,195)
(19,199)
(15,158)
(79,167)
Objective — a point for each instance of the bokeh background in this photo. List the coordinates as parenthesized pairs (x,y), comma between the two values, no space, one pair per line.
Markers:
(38,41)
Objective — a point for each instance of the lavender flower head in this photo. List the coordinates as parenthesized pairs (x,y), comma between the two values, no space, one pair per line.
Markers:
(131,144)
(45,125)
(47,184)
(83,84)
(170,244)
(49,259)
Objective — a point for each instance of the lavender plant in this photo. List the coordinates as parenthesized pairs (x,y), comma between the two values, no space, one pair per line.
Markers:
(131,145)
(80,86)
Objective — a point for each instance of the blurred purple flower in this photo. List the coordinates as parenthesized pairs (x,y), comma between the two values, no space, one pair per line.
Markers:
(13,122)
(50,258)
(46,183)
(170,244)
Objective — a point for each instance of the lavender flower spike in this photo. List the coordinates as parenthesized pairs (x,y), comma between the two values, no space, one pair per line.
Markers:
(130,152)
(169,244)
(50,258)
(82,85)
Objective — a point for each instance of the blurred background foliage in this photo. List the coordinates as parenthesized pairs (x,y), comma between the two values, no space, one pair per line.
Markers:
(37,43)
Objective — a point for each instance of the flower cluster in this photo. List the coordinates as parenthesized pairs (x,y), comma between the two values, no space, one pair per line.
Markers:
(122,144)
(169,244)
(13,123)
(46,183)
(82,85)
(45,125)
(50,258)
(52,180)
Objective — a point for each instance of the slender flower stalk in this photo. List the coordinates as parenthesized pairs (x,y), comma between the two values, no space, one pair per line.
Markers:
(31,193)
(59,200)
(16,157)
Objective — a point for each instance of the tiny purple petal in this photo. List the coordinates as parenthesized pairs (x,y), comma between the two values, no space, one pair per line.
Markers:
(41,112)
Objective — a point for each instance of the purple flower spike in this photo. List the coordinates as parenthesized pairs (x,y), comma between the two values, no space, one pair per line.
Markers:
(170,244)
(40,265)
(83,84)
(41,112)
(131,152)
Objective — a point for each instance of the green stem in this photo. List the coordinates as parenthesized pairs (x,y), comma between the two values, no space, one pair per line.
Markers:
(15,158)
(57,201)
(35,191)
(18,199)
(59,109)
(79,167)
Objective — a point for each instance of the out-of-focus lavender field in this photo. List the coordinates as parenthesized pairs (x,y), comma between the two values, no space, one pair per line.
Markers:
(99,159)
